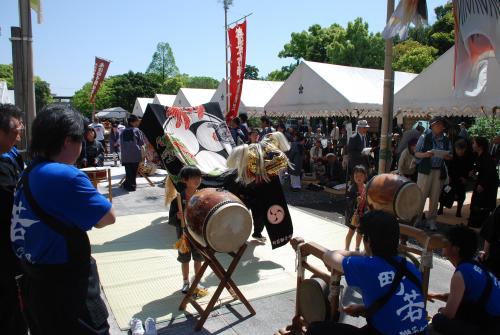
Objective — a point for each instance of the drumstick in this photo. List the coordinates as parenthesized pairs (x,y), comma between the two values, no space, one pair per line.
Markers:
(179,204)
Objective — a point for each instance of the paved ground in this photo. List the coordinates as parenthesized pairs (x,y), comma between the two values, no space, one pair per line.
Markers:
(272,312)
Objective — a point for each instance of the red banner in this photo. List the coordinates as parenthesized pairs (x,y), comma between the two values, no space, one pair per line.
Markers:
(238,42)
(100,69)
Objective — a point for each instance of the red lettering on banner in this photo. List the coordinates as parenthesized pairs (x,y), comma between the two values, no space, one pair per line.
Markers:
(237,40)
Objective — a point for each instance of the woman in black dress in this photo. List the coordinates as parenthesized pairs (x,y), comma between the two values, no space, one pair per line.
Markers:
(485,191)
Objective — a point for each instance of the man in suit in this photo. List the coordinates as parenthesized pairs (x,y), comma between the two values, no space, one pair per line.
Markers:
(356,144)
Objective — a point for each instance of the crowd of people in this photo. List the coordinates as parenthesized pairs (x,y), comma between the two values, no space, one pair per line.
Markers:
(57,278)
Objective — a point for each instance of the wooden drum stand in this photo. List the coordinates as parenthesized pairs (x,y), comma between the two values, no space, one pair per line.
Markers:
(224,277)
(303,249)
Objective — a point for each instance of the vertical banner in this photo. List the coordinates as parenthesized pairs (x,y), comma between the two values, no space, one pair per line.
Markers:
(100,69)
(237,40)
(408,11)
(477,38)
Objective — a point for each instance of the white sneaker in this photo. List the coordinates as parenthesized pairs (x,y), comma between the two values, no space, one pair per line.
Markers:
(150,326)
(136,327)
(432,225)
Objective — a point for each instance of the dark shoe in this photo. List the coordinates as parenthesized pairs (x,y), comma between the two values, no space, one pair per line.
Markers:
(458,215)
(440,211)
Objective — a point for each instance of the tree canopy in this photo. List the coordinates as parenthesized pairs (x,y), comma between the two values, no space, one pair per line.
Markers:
(163,62)
(7,74)
(251,72)
(352,46)
(128,86)
(411,56)
(103,98)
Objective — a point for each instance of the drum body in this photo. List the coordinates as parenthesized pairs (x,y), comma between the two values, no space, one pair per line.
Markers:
(218,219)
(96,173)
(396,195)
(313,300)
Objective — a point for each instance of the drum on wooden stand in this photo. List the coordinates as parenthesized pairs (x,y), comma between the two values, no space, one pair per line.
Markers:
(313,300)
(396,195)
(218,219)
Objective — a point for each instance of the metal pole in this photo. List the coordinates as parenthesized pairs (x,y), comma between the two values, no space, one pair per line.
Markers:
(25,99)
(384,163)
(227,61)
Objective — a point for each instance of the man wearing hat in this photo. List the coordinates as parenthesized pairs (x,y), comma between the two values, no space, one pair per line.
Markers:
(431,167)
(393,301)
(131,143)
(356,144)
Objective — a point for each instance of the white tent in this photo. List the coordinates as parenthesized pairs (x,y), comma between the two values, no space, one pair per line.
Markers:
(112,113)
(164,99)
(255,95)
(140,105)
(190,97)
(6,95)
(431,92)
(318,89)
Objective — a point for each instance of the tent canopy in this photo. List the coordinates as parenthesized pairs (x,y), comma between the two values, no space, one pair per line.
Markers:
(255,95)
(191,97)
(431,91)
(319,89)
(6,95)
(164,99)
(112,113)
(140,106)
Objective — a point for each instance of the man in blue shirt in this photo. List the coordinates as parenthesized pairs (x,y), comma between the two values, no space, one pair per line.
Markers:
(473,303)
(390,286)
(431,167)
(54,206)
(11,165)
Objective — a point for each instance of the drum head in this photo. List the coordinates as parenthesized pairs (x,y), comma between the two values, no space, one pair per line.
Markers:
(313,300)
(408,202)
(228,227)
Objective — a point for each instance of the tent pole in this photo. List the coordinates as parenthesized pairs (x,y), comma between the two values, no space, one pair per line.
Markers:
(227,61)
(384,163)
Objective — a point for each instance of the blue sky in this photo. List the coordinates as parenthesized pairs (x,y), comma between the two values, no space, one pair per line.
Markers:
(127,31)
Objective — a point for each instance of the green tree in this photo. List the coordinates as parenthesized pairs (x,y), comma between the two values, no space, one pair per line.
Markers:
(7,74)
(283,73)
(163,62)
(352,46)
(104,97)
(411,56)
(129,86)
(43,95)
(201,82)
(174,84)
(485,126)
(251,72)
(442,32)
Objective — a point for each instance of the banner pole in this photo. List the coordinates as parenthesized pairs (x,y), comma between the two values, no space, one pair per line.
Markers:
(227,61)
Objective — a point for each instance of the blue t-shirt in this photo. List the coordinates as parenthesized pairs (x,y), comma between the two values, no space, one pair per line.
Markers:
(404,313)
(64,192)
(475,283)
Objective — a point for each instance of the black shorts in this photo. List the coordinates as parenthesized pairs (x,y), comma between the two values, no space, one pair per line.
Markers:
(192,253)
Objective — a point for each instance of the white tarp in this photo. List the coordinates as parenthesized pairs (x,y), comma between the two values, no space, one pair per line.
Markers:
(255,95)
(319,89)
(164,99)
(432,93)
(140,105)
(6,95)
(191,97)
(112,113)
